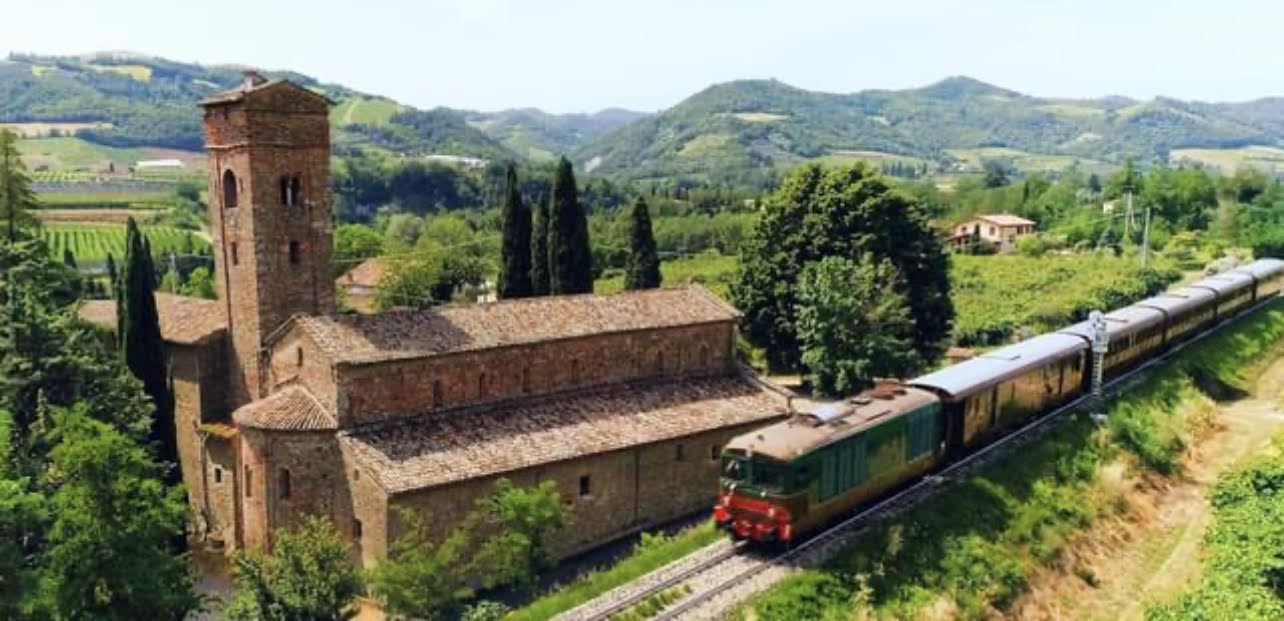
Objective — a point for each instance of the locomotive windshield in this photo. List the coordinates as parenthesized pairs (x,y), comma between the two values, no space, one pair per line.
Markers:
(757,473)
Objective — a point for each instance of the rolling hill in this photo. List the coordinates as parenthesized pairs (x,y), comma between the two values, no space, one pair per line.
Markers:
(739,132)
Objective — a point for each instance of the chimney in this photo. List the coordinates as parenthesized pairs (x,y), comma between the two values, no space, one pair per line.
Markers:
(252,79)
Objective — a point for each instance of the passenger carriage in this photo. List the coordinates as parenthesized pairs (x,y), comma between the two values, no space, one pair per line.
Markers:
(1268,277)
(1133,334)
(1234,291)
(1006,387)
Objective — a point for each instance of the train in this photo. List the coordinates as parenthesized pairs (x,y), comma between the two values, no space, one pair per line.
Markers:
(783,481)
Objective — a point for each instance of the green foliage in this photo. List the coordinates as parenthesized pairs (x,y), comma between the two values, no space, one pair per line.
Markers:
(842,212)
(108,554)
(91,243)
(138,337)
(200,284)
(16,197)
(515,259)
(354,243)
(423,578)
(998,297)
(853,325)
(539,249)
(570,260)
(1243,575)
(524,517)
(308,576)
(642,271)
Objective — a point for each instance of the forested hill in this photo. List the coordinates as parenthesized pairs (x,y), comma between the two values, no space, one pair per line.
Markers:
(129,99)
(739,130)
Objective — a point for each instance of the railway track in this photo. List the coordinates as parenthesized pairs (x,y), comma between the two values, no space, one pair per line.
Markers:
(724,574)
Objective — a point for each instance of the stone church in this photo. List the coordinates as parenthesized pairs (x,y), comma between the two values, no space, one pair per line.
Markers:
(286,408)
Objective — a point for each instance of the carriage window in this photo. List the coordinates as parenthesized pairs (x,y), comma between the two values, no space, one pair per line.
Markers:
(733,470)
(229,189)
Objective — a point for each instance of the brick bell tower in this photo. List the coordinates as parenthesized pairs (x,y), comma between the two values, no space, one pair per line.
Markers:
(268,144)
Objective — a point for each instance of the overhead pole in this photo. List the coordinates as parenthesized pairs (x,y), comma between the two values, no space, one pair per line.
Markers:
(1145,239)
(1127,217)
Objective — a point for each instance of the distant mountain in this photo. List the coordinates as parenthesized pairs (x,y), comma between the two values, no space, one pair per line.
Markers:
(134,99)
(740,132)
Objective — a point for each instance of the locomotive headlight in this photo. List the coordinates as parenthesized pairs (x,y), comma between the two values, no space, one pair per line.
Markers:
(771,513)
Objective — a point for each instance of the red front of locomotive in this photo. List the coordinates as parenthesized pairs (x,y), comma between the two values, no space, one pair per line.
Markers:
(757,519)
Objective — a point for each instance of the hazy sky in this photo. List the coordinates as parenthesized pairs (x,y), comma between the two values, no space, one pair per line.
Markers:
(583,55)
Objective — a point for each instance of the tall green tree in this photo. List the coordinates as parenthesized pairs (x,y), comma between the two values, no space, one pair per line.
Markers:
(642,270)
(570,260)
(112,275)
(68,258)
(16,196)
(539,249)
(853,325)
(515,259)
(308,576)
(139,340)
(845,212)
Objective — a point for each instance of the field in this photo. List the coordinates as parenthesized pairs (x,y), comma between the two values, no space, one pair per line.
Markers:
(67,153)
(39,130)
(998,297)
(877,158)
(711,269)
(1269,159)
(972,159)
(366,111)
(91,243)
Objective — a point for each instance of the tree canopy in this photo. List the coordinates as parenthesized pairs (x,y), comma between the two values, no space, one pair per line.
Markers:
(308,576)
(844,212)
(643,268)
(515,257)
(569,256)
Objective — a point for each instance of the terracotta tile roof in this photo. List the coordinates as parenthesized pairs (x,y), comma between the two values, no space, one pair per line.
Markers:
(290,409)
(432,450)
(184,320)
(365,274)
(1005,219)
(415,334)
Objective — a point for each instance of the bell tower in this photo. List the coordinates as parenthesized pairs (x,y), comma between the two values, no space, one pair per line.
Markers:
(268,144)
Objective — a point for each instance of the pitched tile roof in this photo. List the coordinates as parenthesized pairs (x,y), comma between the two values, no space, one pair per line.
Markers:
(432,450)
(415,334)
(184,320)
(290,409)
(365,274)
(1005,219)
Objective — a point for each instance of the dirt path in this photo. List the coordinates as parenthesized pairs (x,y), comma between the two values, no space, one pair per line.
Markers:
(1152,551)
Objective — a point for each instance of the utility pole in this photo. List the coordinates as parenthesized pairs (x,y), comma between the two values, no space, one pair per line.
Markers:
(1100,345)
(1145,239)
(173,269)
(1127,217)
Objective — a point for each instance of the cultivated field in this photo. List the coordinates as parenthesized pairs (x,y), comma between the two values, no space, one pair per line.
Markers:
(1028,162)
(41,130)
(92,242)
(1269,159)
(374,111)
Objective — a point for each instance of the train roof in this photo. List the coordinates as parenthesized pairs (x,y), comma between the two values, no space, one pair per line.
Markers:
(970,376)
(1226,282)
(1262,268)
(816,423)
(1179,300)
(1120,322)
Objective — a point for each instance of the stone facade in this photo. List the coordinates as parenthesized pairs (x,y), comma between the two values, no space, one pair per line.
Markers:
(286,409)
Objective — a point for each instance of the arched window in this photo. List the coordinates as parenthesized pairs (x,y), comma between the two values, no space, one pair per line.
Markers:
(229,189)
(294,253)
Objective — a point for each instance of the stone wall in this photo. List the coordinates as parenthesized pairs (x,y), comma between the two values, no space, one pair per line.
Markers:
(382,391)
(628,490)
(291,475)
(295,358)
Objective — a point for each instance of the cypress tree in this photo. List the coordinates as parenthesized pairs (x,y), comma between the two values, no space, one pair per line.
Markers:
(141,344)
(569,258)
(515,262)
(539,250)
(111,272)
(642,271)
(68,258)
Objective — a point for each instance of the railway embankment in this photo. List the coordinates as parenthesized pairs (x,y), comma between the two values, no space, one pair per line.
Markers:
(986,545)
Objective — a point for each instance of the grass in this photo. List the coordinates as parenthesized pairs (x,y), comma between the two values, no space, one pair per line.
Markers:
(1022,160)
(713,270)
(75,153)
(106,200)
(1269,159)
(847,157)
(369,111)
(703,145)
(651,553)
(1242,577)
(969,550)
(90,243)
(652,606)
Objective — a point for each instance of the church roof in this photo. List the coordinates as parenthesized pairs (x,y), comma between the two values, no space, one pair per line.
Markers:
(437,449)
(183,320)
(290,409)
(437,331)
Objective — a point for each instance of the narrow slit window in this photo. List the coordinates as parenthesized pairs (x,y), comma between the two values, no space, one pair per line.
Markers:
(481,386)
(285,191)
(298,356)
(285,482)
(218,475)
(526,379)
(436,393)
(249,482)
(679,452)
(586,486)
(715,452)
(235,259)
(575,370)
(356,529)
(294,253)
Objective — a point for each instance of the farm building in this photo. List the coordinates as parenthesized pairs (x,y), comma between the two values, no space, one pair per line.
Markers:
(998,230)
(170,164)
(358,285)
(285,408)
